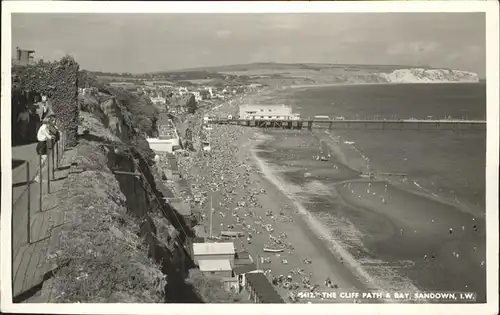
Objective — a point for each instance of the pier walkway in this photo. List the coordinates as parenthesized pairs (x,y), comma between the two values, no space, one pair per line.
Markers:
(381,124)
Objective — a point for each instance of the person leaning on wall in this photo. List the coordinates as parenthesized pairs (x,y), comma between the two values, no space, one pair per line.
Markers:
(48,131)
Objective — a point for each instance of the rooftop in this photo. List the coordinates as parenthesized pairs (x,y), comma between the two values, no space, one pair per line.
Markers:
(242,261)
(243,255)
(182,207)
(263,288)
(214,265)
(239,270)
(167,193)
(213,248)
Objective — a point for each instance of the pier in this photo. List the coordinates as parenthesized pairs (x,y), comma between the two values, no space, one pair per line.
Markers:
(373,124)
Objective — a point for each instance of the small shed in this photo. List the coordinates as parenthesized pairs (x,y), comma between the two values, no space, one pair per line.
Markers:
(214,251)
(216,267)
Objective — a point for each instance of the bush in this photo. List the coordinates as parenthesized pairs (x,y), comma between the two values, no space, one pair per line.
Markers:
(210,289)
(143,112)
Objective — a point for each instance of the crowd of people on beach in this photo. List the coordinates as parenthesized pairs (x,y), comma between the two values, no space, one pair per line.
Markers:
(228,180)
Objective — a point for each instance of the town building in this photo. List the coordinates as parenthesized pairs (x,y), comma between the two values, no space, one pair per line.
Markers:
(158,100)
(267,112)
(214,251)
(23,57)
(168,139)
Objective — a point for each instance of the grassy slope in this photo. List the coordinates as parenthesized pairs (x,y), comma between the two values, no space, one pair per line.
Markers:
(107,260)
(104,258)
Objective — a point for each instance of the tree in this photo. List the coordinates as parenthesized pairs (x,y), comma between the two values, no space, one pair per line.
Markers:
(191,104)
(210,289)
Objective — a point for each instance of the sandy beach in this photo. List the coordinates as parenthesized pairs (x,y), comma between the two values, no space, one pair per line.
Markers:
(247,195)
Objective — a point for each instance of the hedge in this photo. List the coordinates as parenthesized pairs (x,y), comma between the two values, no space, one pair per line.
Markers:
(59,81)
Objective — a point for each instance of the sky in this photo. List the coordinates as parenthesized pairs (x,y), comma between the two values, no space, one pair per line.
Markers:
(140,43)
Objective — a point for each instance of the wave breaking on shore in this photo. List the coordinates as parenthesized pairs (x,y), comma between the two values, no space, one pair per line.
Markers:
(338,234)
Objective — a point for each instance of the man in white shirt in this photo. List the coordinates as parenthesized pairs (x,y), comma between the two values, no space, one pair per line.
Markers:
(43,136)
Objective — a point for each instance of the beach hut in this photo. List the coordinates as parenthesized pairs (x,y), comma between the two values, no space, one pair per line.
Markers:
(241,271)
(260,289)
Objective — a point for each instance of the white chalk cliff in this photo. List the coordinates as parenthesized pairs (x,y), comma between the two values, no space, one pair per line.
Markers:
(420,75)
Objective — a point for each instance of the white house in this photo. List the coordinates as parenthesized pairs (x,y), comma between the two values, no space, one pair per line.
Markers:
(158,100)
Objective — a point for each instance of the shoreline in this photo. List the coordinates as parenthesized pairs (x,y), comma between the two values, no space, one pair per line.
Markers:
(380,224)
(320,85)
(418,200)
(339,149)
(322,236)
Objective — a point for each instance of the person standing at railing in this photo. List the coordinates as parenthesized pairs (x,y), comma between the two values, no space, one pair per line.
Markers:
(44,108)
(53,129)
(24,120)
(47,132)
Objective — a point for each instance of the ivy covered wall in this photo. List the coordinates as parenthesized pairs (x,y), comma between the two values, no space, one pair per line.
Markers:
(59,81)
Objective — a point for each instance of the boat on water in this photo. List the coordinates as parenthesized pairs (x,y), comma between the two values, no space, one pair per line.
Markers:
(369,175)
(273,250)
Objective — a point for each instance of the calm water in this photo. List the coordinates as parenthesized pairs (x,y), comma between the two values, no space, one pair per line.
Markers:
(447,165)
(453,162)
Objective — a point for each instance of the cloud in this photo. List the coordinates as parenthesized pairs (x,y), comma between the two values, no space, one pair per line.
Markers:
(223,33)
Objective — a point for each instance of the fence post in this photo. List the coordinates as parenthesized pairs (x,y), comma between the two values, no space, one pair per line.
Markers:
(40,171)
(57,153)
(28,180)
(134,179)
(48,165)
(53,145)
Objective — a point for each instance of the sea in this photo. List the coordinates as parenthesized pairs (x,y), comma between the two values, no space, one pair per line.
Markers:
(421,231)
